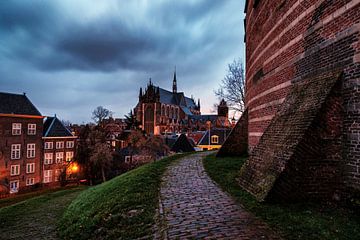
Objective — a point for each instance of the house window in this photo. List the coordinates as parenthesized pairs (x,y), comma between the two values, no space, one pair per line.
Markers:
(47,176)
(30,150)
(15,151)
(127,159)
(59,156)
(70,144)
(31,129)
(14,186)
(69,156)
(48,158)
(16,129)
(59,145)
(57,175)
(214,139)
(14,170)
(30,181)
(30,167)
(48,145)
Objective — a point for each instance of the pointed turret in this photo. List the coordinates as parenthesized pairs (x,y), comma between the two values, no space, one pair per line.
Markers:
(140,93)
(198,105)
(174,82)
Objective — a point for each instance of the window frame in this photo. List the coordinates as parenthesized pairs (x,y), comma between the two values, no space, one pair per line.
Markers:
(49,160)
(213,137)
(30,152)
(47,176)
(30,130)
(48,145)
(15,153)
(59,145)
(66,156)
(59,159)
(32,182)
(70,144)
(16,168)
(32,168)
(16,129)
(17,188)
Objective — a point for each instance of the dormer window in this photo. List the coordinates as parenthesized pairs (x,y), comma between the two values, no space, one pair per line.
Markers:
(214,139)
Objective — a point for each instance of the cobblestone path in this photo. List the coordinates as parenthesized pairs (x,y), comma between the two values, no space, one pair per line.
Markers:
(193,207)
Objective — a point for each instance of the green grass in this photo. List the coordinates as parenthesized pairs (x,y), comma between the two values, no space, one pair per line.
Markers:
(35,218)
(122,208)
(292,221)
(22,197)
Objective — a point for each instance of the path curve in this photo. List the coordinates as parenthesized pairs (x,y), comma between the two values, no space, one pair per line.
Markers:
(192,206)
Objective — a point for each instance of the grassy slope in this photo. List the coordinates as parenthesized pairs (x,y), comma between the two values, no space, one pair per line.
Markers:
(122,208)
(35,218)
(294,221)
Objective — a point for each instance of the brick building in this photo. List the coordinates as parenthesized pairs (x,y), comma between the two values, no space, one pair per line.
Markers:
(161,111)
(302,124)
(59,151)
(21,128)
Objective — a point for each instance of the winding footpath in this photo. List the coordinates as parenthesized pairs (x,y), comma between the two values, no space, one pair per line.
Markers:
(192,206)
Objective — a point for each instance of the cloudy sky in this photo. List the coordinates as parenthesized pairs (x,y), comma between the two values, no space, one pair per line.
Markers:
(72,56)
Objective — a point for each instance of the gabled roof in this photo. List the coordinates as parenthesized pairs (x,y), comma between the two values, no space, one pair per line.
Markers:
(179,98)
(182,144)
(11,103)
(222,133)
(53,127)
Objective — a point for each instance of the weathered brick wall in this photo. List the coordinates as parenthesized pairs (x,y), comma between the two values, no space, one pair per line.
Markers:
(289,41)
(237,142)
(6,139)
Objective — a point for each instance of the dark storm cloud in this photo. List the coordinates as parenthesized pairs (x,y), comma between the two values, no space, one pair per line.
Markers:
(87,52)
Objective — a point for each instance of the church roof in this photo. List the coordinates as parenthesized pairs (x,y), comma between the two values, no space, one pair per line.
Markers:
(53,127)
(168,97)
(17,104)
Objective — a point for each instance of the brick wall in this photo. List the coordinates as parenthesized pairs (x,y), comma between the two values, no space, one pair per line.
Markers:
(7,139)
(296,40)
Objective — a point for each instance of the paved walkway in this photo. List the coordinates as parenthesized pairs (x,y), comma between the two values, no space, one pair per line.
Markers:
(193,207)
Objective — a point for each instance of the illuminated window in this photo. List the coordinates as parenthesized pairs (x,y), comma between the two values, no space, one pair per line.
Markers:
(30,150)
(69,156)
(31,129)
(30,167)
(15,151)
(57,174)
(59,157)
(127,159)
(214,139)
(16,129)
(47,176)
(48,158)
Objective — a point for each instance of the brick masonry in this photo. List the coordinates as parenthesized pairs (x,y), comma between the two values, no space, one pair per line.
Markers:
(290,44)
(192,206)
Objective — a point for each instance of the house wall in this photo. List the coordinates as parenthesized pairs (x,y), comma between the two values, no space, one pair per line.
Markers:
(288,41)
(7,139)
(57,166)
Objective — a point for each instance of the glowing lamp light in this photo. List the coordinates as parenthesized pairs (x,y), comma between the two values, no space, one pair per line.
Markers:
(74,168)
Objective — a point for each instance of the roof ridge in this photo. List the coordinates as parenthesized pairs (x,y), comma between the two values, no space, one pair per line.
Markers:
(51,124)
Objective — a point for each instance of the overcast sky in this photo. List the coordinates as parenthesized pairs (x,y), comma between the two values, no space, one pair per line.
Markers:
(72,56)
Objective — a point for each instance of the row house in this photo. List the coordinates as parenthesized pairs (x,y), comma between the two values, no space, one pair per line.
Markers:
(59,150)
(21,129)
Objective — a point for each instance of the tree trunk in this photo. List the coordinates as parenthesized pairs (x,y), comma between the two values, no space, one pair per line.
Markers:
(103,174)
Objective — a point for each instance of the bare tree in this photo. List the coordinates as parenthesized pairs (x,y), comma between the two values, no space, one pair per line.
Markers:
(101,157)
(232,87)
(100,113)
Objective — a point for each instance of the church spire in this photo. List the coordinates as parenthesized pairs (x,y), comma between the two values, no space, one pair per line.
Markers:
(174,82)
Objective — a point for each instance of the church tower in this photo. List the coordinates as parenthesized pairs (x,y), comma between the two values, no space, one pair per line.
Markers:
(174,82)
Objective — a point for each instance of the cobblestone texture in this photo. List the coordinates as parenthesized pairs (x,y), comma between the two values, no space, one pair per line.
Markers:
(193,207)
